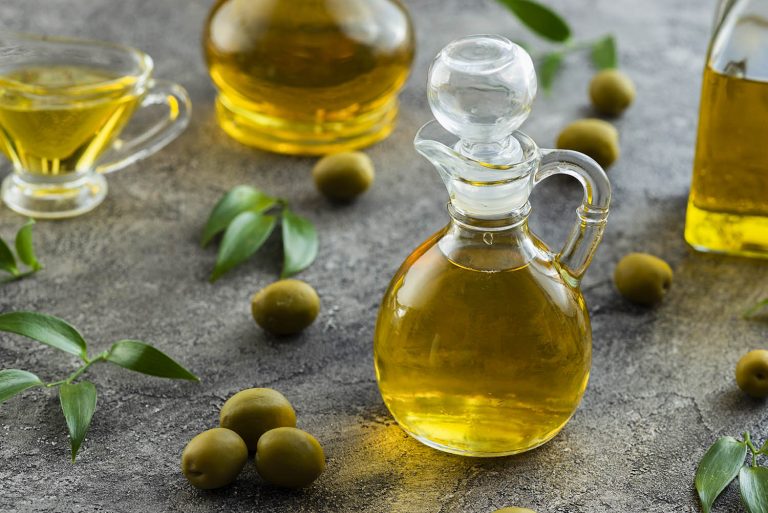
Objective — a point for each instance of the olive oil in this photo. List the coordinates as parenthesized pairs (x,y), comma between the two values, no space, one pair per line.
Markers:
(728,206)
(481,363)
(83,111)
(308,76)
(67,134)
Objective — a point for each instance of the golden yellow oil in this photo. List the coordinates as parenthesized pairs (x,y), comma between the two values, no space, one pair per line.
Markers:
(310,76)
(728,205)
(57,120)
(481,363)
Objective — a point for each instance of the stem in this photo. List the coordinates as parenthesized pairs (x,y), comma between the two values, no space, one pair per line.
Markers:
(571,46)
(99,358)
(752,448)
(19,276)
(88,362)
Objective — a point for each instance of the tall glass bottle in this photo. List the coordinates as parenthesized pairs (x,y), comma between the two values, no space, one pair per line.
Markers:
(308,76)
(728,204)
(483,344)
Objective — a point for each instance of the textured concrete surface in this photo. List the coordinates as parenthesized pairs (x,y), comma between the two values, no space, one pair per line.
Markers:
(662,387)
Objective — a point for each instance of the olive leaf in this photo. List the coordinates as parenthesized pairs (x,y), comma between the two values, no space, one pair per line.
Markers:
(299,243)
(78,402)
(604,53)
(243,215)
(7,260)
(26,253)
(141,357)
(719,466)
(46,329)
(24,246)
(540,19)
(753,484)
(15,381)
(550,65)
(755,309)
(244,236)
(238,200)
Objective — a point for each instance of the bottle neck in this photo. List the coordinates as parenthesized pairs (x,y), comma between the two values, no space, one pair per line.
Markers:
(490,245)
(498,223)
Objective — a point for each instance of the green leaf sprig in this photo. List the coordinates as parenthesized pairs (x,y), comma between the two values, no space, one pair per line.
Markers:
(78,398)
(722,462)
(242,214)
(25,250)
(549,25)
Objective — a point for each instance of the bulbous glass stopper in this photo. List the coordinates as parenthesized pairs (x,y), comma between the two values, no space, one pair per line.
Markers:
(481,89)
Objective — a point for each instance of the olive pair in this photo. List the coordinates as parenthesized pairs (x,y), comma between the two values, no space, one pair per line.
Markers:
(611,92)
(259,419)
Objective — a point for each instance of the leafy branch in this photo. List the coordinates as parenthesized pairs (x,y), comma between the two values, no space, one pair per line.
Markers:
(722,463)
(242,214)
(550,25)
(26,254)
(78,398)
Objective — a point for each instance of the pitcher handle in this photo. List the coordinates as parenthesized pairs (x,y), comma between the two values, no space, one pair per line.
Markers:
(165,130)
(580,247)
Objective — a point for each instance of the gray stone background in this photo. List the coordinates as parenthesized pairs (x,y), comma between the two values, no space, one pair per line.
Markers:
(662,388)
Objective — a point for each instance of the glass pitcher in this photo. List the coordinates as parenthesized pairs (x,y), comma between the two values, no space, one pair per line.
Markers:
(483,343)
(728,204)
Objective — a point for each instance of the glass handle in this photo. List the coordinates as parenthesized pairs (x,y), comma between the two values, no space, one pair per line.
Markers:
(592,215)
(155,137)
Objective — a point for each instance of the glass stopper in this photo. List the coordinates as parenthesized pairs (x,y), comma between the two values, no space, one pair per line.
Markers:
(481,89)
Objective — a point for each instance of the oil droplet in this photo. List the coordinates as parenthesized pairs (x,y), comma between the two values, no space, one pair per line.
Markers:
(488,238)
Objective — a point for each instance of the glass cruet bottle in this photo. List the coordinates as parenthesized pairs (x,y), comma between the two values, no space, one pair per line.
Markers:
(728,204)
(308,76)
(483,343)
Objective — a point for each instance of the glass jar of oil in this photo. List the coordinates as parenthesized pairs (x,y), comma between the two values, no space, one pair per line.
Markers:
(728,204)
(483,343)
(308,76)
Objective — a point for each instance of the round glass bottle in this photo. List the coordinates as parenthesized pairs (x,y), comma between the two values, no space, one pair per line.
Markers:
(483,343)
(308,76)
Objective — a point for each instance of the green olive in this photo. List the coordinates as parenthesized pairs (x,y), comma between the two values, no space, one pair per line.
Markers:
(289,457)
(213,458)
(252,412)
(343,176)
(752,373)
(611,92)
(595,137)
(642,278)
(514,510)
(285,307)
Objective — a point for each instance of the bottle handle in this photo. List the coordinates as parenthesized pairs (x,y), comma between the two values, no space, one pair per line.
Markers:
(583,240)
(162,132)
